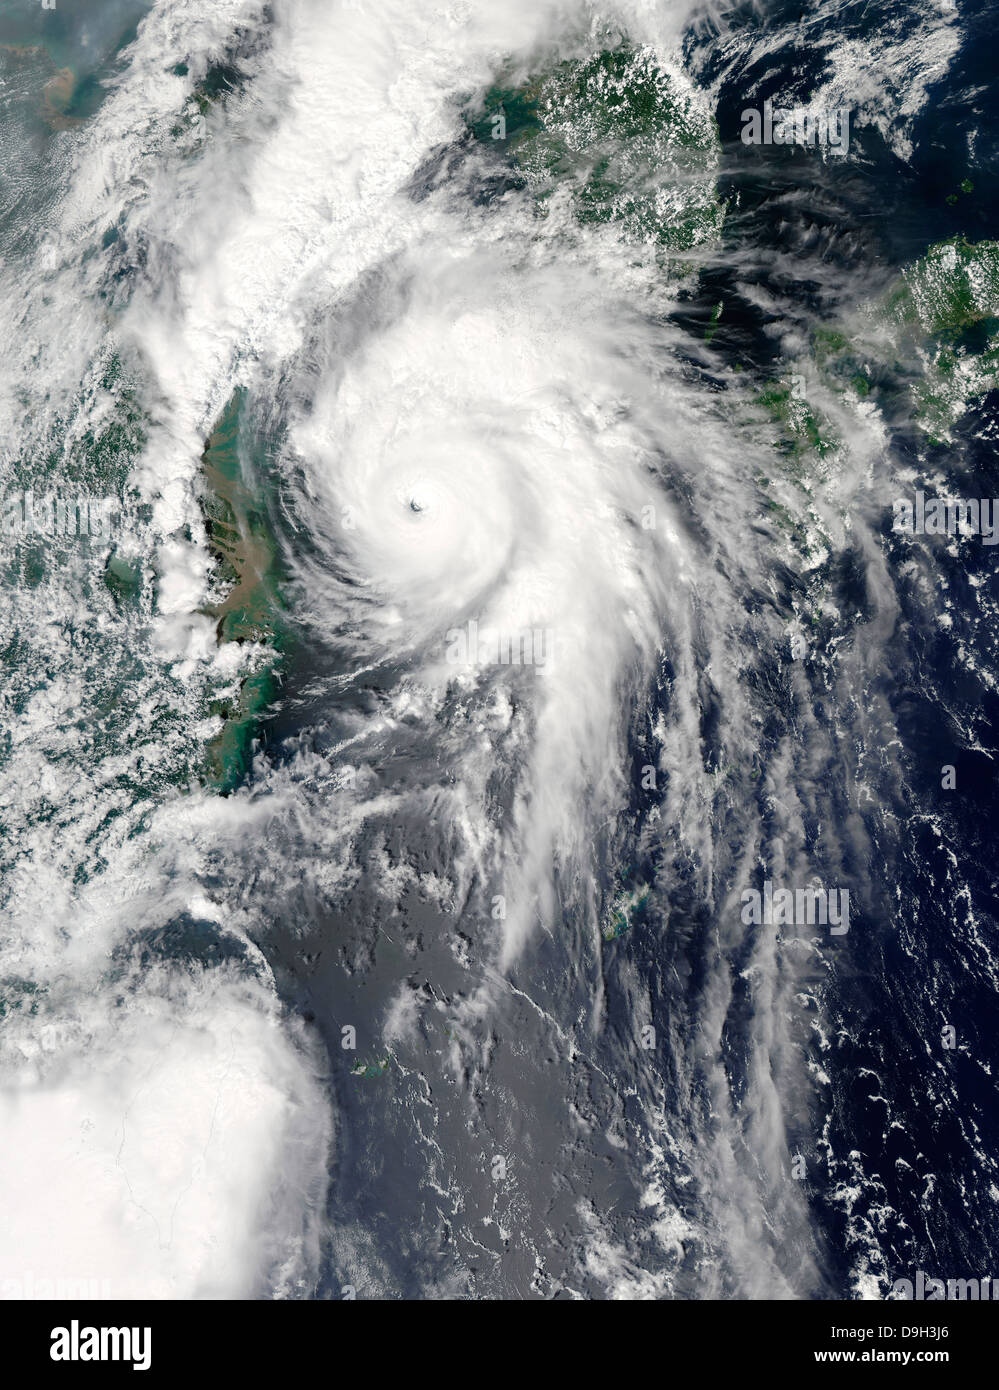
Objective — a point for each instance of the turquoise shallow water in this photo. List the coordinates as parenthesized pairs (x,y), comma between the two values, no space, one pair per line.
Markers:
(80,36)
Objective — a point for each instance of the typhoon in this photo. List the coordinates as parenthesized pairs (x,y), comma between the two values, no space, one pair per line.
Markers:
(501,590)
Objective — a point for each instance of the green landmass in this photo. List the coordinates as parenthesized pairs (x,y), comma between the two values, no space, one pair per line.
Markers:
(249,612)
(621,136)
